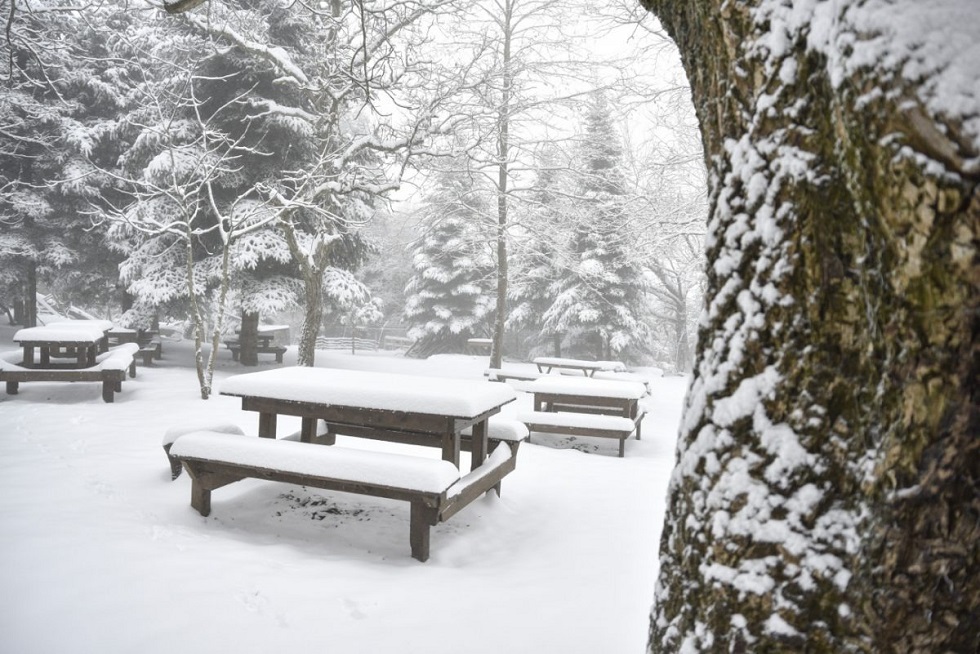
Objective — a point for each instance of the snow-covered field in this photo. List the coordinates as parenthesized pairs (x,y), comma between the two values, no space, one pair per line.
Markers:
(101,552)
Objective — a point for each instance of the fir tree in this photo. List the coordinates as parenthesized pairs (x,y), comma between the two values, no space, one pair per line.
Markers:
(450,295)
(600,294)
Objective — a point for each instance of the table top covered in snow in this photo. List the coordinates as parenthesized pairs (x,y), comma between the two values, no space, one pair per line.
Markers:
(579,364)
(68,334)
(587,387)
(458,398)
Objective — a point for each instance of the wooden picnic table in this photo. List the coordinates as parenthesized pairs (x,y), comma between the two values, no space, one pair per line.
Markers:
(588,368)
(427,411)
(587,396)
(82,342)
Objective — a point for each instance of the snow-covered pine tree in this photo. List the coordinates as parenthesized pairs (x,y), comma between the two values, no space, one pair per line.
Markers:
(60,106)
(450,295)
(599,298)
(537,258)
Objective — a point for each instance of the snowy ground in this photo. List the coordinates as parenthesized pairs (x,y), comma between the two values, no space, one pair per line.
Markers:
(101,552)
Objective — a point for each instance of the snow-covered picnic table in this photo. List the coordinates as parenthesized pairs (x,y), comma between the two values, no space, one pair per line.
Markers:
(79,340)
(586,395)
(400,408)
(588,368)
(586,407)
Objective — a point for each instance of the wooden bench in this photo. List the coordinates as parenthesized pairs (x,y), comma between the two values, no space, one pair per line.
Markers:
(323,437)
(583,424)
(433,488)
(110,369)
(278,350)
(151,350)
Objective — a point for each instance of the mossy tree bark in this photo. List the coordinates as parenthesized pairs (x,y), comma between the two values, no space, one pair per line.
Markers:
(827,490)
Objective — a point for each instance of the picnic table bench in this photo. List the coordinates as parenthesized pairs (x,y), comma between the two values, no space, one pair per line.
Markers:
(110,369)
(433,488)
(497,374)
(264,346)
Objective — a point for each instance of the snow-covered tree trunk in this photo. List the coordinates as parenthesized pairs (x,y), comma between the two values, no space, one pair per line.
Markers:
(825,497)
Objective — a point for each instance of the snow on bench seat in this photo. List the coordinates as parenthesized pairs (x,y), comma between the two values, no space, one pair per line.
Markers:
(432,487)
(496,374)
(340,463)
(120,357)
(582,424)
(175,432)
(502,429)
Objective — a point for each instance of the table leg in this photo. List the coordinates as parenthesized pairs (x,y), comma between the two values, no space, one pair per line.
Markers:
(267,425)
(450,447)
(307,433)
(479,444)
(45,357)
(28,360)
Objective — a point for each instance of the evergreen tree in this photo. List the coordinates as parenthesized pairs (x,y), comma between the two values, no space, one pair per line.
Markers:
(450,294)
(599,297)
(538,259)
(64,93)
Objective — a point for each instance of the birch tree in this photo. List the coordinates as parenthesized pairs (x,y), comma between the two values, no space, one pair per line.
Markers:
(825,493)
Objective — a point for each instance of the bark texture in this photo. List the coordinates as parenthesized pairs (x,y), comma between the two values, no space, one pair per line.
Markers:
(827,490)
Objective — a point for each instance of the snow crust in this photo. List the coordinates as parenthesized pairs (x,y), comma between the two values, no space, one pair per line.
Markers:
(373,390)
(395,470)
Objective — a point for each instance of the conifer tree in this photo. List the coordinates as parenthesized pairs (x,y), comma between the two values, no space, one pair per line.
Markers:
(599,297)
(450,294)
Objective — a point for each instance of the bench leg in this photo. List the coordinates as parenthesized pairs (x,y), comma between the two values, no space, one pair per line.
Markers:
(622,447)
(175,467)
(132,368)
(419,531)
(12,387)
(200,498)
(108,387)
(278,357)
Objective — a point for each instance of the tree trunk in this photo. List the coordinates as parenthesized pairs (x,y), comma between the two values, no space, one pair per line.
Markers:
(503,162)
(312,318)
(248,340)
(30,295)
(825,497)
